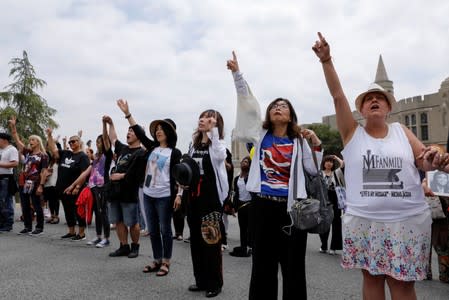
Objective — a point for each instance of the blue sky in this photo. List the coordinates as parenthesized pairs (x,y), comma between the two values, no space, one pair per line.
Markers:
(167,58)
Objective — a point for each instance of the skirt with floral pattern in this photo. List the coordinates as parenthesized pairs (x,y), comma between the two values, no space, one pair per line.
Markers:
(399,249)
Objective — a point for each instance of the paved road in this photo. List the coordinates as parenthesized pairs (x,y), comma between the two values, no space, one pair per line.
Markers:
(47,267)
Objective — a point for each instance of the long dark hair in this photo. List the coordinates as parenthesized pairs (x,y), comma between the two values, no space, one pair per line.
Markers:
(197,135)
(293,129)
(172,138)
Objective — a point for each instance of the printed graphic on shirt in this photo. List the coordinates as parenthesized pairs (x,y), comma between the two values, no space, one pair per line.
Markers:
(275,164)
(32,166)
(68,161)
(198,155)
(381,176)
(156,163)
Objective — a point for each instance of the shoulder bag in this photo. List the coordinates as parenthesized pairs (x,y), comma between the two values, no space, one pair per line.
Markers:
(314,214)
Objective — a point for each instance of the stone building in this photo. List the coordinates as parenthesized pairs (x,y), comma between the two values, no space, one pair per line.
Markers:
(427,116)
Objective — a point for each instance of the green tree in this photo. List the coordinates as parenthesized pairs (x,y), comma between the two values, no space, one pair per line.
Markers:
(20,99)
(330,138)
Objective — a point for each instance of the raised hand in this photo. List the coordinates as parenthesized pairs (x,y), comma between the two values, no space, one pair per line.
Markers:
(322,49)
(49,131)
(12,122)
(233,64)
(211,121)
(107,119)
(123,105)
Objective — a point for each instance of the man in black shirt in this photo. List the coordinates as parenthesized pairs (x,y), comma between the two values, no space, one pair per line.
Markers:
(127,175)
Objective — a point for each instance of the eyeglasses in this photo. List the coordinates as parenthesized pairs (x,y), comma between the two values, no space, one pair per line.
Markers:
(72,142)
(280,105)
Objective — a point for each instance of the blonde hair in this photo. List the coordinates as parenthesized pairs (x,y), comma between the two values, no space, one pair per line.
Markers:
(39,139)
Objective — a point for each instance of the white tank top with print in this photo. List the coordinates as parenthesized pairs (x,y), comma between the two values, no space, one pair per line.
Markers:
(382,182)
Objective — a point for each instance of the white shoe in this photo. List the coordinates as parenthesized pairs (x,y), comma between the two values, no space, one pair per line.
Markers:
(332,252)
(103,243)
(323,251)
(94,241)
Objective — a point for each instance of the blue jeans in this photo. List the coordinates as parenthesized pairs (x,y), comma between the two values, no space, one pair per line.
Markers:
(126,213)
(6,205)
(159,213)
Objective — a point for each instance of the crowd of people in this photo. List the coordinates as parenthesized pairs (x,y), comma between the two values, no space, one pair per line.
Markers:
(148,181)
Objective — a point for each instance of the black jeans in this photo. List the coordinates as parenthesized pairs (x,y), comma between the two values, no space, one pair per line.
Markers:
(272,247)
(100,209)
(25,201)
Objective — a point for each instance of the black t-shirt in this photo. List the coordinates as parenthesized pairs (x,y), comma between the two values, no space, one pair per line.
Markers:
(71,165)
(130,161)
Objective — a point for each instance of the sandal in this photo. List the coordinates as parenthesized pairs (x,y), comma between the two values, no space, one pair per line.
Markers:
(152,268)
(54,220)
(163,270)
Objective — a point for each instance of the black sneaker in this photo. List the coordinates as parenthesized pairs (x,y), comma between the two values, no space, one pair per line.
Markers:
(124,250)
(24,231)
(134,251)
(37,232)
(78,238)
(68,236)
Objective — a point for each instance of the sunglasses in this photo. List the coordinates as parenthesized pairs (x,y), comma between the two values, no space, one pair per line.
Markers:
(72,142)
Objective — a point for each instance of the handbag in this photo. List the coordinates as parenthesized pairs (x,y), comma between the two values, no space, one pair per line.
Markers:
(436,208)
(112,190)
(314,214)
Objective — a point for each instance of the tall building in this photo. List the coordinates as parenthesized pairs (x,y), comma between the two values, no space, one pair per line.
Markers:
(426,115)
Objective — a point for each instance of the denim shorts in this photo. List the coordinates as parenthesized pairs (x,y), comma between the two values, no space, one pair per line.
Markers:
(123,212)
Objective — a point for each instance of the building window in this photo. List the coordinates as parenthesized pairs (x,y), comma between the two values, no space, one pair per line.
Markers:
(424,133)
(423,118)
(407,121)
(413,122)
(413,129)
(424,127)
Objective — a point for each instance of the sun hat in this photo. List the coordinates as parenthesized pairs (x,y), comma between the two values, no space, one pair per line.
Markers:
(187,171)
(171,124)
(374,87)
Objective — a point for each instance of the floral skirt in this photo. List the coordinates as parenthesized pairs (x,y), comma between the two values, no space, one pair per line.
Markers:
(399,249)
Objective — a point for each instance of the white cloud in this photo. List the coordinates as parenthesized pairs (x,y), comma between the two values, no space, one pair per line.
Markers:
(168,57)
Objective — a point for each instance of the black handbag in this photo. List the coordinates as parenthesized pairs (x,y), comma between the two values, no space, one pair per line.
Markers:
(113,191)
(314,214)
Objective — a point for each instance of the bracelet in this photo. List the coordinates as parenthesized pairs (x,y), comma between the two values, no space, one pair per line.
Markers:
(326,60)
(128,116)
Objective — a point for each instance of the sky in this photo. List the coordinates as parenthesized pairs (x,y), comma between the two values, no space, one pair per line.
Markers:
(167,58)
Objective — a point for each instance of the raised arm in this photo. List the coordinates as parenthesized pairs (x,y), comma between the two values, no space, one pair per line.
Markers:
(105,135)
(123,105)
(241,85)
(112,133)
(52,144)
(15,135)
(345,121)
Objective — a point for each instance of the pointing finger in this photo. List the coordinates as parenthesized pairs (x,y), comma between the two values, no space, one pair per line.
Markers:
(234,56)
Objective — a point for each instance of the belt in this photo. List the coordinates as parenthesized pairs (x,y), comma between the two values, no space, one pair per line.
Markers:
(272,198)
(2,176)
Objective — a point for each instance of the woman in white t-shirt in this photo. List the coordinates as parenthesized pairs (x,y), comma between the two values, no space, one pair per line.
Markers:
(386,228)
(159,187)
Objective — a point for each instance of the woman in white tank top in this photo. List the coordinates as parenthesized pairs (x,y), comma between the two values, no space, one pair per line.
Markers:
(386,228)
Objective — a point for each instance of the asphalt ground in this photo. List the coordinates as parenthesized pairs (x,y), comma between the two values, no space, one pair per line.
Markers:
(46,267)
